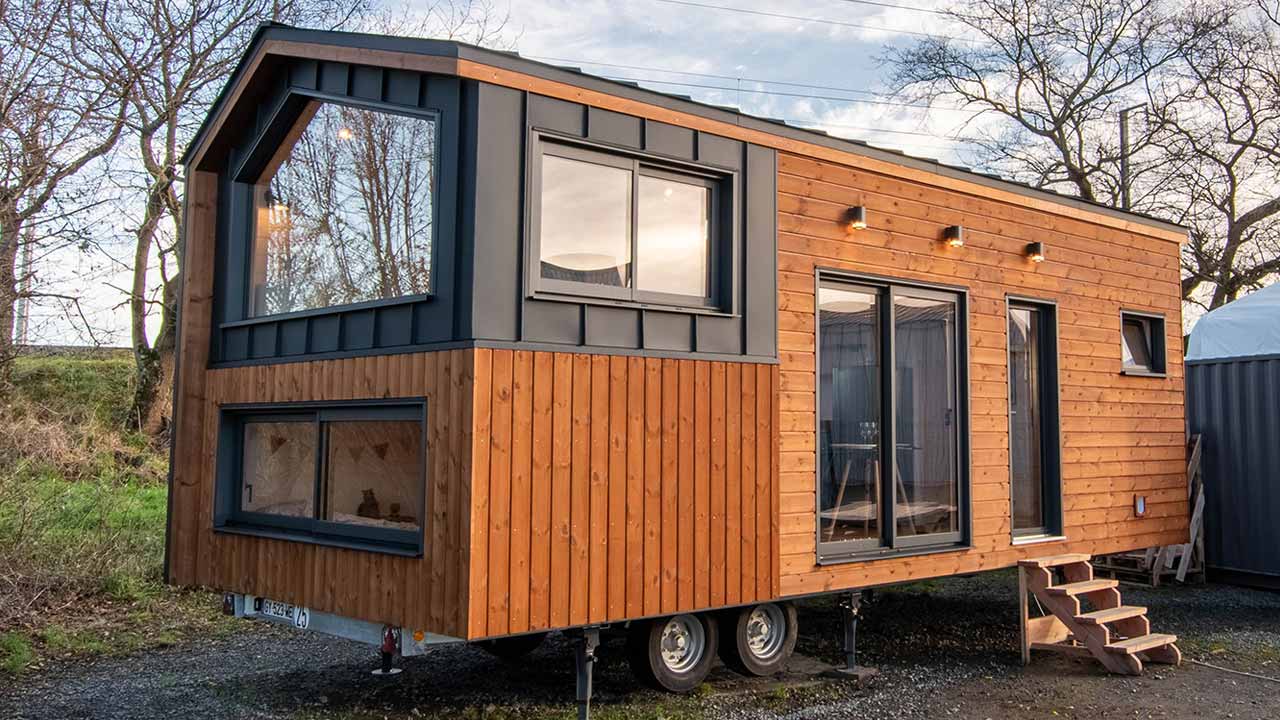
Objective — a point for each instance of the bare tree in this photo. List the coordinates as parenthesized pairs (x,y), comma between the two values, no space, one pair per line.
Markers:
(198,45)
(62,107)
(1058,71)
(1217,129)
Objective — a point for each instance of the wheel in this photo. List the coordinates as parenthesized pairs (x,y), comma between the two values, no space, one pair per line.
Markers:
(758,639)
(675,653)
(514,647)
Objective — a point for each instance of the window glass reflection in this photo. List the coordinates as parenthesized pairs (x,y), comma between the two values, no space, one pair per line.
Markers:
(849,374)
(345,213)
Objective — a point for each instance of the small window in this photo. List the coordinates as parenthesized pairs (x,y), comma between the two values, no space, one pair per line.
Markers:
(344,213)
(618,227)
(351,474)
(1142,344)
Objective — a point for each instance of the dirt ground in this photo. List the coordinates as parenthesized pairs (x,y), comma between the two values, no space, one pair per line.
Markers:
(945,649)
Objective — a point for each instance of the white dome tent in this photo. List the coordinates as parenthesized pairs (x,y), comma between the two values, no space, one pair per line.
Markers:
(1233,402)
(1248,327)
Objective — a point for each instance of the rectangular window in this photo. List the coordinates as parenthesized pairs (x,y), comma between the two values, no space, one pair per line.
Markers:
(891,412)
(1034,468)
(345,474)
(345,211)
(620,227)
(1141,343)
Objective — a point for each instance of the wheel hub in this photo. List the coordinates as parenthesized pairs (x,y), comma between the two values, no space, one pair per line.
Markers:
(766,630)
(682,644)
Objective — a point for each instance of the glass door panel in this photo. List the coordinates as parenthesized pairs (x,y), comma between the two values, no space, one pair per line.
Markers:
(926,479)
(1025,453)
(850,379)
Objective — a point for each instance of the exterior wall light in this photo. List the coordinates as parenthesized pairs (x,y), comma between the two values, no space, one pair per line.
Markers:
(856,218)
(1035,252)
(954,236)
(345,133)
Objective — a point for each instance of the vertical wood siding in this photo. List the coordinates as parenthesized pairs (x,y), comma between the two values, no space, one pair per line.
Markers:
(1121,435)
(618,487)
(428,592)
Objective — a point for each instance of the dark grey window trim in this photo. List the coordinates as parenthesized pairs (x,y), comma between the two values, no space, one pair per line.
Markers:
(263,148)
(889,545)
(227,514)
(1153,325)
(1050,422)
(724,184)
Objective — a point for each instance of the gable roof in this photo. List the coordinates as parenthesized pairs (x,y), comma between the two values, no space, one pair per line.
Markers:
(459,52)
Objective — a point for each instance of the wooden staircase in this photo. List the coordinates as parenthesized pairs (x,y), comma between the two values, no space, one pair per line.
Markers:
(1119,636)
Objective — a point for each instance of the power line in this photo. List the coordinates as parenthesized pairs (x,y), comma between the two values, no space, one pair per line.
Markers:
(790,83)
(828,21)
(896,7)
(788,94)
(958,139)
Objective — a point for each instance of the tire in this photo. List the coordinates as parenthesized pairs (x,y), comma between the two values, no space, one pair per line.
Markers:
(758,639)
(514,647)
(675,653)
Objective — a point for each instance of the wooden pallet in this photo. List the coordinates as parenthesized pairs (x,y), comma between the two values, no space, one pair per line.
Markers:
(1117,635)
(1170,562)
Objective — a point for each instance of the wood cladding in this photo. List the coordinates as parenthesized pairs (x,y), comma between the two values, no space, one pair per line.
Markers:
(1120,435)
(609,487)
(428,592)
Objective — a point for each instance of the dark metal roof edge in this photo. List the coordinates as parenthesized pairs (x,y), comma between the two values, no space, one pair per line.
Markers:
(1261,357)
(516,63)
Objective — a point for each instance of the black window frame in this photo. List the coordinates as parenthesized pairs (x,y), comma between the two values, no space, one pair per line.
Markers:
(228,516)
(265,148)
(1050,420)
(888,544)
(720,245)
(1153,328)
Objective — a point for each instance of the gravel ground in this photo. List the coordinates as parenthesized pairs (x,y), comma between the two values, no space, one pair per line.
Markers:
(944,649)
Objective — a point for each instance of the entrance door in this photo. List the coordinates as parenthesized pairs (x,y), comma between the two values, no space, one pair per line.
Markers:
(1033,441)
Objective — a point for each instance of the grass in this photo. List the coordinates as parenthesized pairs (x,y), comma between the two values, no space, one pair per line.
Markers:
(83,503)
(15,652)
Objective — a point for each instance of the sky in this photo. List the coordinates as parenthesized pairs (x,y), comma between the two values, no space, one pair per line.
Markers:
(815,64)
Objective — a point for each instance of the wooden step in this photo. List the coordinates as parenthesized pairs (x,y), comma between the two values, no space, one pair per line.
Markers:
(1082,588)
(1055,560)
(1100,617)
(1142,643)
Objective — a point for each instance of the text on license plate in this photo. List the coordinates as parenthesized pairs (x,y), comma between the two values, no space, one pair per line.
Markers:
(299,616)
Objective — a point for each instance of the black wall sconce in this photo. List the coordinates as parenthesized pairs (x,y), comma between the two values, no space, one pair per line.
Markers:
(856,218)
(953,235)
(1035,252)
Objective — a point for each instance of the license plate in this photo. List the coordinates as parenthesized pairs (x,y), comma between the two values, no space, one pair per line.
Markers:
(300,617)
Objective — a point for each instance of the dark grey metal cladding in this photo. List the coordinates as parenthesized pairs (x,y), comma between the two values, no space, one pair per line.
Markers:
(378,326)
(1233,405)
(505,311)
(479,294)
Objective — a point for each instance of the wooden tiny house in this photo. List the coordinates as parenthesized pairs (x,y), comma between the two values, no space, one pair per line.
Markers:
(473,346)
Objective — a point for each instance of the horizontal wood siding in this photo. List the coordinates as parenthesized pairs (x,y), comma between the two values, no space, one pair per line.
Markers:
(619,487)
(426,593)
(1121,435)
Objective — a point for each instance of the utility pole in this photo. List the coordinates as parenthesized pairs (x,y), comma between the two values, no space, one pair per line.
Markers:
(22,321)
(1125,200)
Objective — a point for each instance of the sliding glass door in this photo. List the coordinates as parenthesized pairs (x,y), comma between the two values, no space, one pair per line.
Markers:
(927,483)
(890,379)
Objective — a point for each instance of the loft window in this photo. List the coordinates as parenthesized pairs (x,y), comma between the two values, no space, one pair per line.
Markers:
(892,474)
(618,227)
(344,474)
(344,212)
(1142,343)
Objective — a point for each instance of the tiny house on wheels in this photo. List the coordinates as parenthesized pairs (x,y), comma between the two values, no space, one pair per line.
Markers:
(474,348)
